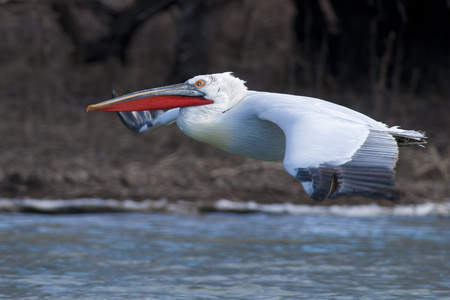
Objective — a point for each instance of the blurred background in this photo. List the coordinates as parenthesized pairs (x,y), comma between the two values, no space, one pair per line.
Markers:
(389,59)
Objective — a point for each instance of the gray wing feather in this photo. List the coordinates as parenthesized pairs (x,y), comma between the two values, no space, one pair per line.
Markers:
(332,150)
(139,121)
(369,173)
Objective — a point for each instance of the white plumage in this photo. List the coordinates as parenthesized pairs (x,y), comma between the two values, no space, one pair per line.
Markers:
(332,150)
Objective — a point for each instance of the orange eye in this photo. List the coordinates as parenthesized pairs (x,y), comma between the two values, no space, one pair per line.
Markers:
(200,83)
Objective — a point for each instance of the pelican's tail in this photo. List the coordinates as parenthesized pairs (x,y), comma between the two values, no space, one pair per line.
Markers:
(407,137)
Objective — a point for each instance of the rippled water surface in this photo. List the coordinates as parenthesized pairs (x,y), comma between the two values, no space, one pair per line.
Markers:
(220,256)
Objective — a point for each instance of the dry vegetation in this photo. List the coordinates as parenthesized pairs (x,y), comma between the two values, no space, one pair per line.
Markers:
(51,148)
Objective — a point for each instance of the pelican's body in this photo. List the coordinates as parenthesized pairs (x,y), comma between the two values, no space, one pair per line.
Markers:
(332,150)
(248,128)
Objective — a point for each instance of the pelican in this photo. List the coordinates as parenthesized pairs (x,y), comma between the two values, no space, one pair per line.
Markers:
(332,150)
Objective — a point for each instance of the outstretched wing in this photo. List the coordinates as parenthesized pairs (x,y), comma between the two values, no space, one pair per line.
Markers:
(332,150)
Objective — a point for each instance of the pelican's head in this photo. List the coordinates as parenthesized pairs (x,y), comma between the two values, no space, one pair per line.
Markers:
(218,92)
(224,89)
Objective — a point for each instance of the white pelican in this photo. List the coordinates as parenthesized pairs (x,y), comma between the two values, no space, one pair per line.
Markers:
(332,150)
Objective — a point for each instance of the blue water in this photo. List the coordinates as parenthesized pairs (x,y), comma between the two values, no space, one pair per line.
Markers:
(223,256)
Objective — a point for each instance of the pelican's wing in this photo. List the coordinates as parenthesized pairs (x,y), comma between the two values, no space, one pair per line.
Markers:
(333,150)
(139,121)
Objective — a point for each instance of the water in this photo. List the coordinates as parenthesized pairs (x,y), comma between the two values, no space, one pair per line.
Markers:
(223,256)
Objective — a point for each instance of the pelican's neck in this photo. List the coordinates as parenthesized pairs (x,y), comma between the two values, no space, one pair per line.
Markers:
(208,123)
(202,125)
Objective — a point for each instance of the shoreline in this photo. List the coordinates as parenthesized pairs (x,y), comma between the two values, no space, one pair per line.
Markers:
(96,205)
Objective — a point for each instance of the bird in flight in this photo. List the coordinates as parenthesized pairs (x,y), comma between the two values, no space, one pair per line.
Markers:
(332,150)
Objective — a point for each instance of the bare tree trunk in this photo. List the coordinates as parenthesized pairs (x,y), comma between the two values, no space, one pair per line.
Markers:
(194,38)
(122,26)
